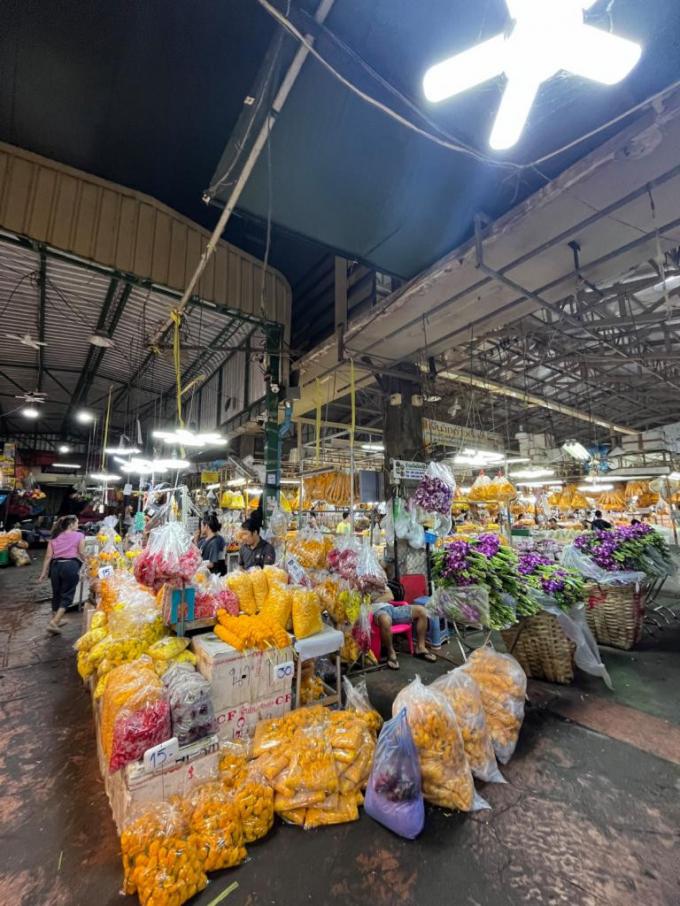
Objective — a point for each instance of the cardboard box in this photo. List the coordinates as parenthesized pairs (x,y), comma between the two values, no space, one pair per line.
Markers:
(132,786)
(240,677)
(239,721)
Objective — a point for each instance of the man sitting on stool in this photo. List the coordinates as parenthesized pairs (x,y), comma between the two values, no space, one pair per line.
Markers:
(385,614)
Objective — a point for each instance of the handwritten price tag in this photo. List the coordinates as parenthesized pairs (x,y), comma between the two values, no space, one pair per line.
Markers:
(161,756)
(284,671)
(105,572)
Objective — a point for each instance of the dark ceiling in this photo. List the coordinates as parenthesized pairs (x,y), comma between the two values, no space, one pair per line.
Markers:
(147,93)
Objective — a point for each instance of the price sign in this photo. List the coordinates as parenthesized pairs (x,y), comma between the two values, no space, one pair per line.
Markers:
(403,470)
(105,572)
(161,756)
(284,671)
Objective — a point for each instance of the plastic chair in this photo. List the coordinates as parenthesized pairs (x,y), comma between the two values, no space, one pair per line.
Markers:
(397,629)
(415,586)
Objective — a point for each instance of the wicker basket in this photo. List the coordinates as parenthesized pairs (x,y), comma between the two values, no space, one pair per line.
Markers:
(542,648)
(615,613)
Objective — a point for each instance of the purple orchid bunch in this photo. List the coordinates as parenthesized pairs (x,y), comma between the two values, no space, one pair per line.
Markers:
(631,548)
(434,495)
(564,585)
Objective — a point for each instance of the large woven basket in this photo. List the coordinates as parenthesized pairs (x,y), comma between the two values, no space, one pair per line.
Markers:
(542,648)
(615,613)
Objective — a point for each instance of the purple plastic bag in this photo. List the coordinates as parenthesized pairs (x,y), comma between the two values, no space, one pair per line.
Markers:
(394,796)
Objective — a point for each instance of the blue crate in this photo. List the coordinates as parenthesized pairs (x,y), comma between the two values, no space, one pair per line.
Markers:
(437,631)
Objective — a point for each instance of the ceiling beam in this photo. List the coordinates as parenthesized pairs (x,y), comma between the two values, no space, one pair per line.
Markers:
(42,304)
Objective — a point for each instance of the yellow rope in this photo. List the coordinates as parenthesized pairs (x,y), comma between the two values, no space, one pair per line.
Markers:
(176,355)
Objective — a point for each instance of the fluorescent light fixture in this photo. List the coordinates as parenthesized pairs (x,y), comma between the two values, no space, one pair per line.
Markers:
(30,412)
(576,450)
(517,460)
(182,437)
(66,465)
(465,490)
(104,476)
(137,466)
(122,451)
(532,473)
(64,448)
(212,487)
(100,339)
(295,481)
(253,490)
(540,484)
(236,482)
(373,448)
(546,38)
(173,464)
(674,476)
(478,458)
(84,417)
(595,488)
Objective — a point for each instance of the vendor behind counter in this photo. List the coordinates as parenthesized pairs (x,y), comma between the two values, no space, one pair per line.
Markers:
(254,551)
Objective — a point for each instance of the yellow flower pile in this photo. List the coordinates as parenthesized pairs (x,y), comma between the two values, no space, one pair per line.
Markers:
(244,632)
(278,604)
(8,538)
(328,592)
(445,772)
(260,586)
(241,584)
(502,685)
(130,686)
(162,862)
(311,689)
(275,574)
(216,823)
(254,799)
(317,762)
(462,693)
(306,612)
(309,551)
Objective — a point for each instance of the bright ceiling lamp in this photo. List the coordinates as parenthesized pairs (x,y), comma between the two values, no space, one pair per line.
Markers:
(532,473)
(137,466)
(294,481)
(64,448)
(102,340)
(576,450)
(30,412)
(237,482)
(173,464)
(517,460)
(65,465)
(84,417)
(547,37)
(373,448)
(104,476)
(184,438)
(595,488)
(540,484)
(478,458)
(122,451)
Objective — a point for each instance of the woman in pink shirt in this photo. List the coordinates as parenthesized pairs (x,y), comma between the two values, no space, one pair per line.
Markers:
(63,559)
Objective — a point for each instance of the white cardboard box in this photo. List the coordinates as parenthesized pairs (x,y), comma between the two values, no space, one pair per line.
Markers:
(240,677)
(239,721)
(133,786)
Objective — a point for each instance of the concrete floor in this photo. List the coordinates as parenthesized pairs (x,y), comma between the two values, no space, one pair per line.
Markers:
(590,815)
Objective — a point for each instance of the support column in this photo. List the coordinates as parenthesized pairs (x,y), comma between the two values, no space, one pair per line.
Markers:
(403,439)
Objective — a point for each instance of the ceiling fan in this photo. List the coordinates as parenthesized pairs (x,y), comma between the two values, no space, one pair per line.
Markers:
(26,340)
(33,397)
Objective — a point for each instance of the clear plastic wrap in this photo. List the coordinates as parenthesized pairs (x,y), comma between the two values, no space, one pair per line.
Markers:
(468,605)
(260,585)
(502,685)
(137,729)
(445,772)
(306,613)
(435,492)
(254,799)
(191,708)
(160,863)
(131,685)
(217,825)
(370,576)
(309,548)
(357,700)
(573,558)
(240,582)
(394,796)
(575,626)
(169,558)
(279,604)
(462,693)
(278,523)
(343,558)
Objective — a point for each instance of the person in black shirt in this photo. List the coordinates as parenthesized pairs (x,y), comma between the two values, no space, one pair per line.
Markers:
(212,545)
(254,551)
(599,524)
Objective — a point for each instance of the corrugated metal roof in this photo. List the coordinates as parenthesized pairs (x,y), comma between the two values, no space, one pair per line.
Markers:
(142,383)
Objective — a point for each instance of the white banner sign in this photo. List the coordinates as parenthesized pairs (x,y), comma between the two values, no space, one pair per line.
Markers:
(447,435)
